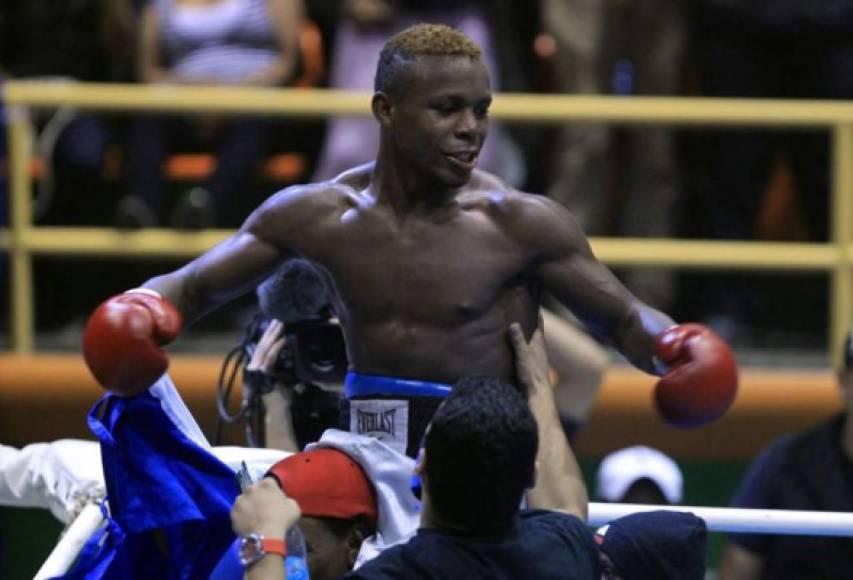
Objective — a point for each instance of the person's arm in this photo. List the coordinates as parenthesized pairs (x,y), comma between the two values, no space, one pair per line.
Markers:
(228,270)
(264,509)
(738,563)
(559,483)
(698,370)
(278,418)
(123,340)
(286,17)
(238,264)
(148,67)
(565,265)
(117,30)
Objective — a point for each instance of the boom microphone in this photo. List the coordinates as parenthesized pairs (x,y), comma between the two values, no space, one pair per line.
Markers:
(295,292)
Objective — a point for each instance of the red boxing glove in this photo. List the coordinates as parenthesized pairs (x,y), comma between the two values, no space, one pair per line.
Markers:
(702,380)
(122,340)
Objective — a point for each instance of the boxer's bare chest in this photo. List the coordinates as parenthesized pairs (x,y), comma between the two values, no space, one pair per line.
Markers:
(436,270)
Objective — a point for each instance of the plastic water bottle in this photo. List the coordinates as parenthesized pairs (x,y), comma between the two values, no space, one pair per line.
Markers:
(296,561)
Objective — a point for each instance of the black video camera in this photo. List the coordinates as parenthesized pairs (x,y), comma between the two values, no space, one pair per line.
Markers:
(314,351)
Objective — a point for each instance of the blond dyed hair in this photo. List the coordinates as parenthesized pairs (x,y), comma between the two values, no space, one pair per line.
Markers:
(419,40)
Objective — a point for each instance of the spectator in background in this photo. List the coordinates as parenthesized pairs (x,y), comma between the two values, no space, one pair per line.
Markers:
(364,27)
(85,40)
(809,471)
(639,474)
(214,42)
(798,49)
(618,181)
(778,48)
(659,545)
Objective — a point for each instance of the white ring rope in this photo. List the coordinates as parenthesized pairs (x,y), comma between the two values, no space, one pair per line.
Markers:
(69,546)
(743,521)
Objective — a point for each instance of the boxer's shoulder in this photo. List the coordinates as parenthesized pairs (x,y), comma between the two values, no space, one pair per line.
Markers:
(313,197)
(535,221)
(283,217)
(489,193)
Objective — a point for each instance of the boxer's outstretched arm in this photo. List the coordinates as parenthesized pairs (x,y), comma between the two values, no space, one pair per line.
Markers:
(239,263)
(123,340)
(230,269)
(699,370)
(565,265)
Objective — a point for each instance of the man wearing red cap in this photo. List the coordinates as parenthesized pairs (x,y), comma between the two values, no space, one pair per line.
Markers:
(338,506)
(354,496)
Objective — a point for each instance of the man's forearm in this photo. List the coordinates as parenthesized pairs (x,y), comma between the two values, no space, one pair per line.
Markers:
(279,421)
(559,482)
(270,567)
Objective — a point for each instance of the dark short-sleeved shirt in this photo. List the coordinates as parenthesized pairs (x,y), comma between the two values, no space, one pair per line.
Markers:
(803,472)
(541,545)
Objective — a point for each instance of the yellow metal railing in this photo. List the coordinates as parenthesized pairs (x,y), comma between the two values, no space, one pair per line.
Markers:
(23,240)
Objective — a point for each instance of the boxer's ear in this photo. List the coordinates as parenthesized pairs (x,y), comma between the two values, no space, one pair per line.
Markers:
(382,108)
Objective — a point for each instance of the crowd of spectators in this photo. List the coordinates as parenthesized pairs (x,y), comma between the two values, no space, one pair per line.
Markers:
(103,169)
(618,182)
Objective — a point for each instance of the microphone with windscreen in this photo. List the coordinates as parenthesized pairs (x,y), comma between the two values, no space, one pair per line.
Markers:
(297,295)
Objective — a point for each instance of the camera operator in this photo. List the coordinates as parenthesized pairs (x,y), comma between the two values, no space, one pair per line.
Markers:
(278,419)
(294,358)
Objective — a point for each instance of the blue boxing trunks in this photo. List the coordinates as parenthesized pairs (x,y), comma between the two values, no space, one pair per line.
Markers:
(395,411)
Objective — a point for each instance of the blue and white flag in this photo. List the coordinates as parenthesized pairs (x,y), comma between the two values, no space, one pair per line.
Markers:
(169,497)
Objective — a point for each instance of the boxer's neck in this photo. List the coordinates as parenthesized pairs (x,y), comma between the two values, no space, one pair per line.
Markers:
(395,185)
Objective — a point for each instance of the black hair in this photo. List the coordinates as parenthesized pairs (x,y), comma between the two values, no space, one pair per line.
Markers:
(847,361)
(480,454)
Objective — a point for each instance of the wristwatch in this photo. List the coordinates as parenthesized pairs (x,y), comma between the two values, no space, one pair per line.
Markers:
(253,547)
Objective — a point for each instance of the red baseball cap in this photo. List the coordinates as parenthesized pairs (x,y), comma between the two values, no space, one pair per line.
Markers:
(326,482)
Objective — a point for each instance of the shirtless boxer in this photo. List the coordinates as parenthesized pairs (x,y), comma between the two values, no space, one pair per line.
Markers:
(429,260)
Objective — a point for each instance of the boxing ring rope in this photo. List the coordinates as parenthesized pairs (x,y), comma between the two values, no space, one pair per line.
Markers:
(69,546)
(744,521)
(23,241)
